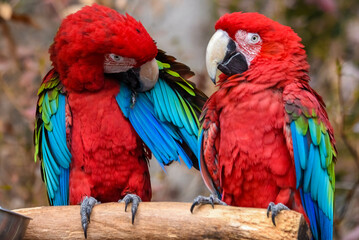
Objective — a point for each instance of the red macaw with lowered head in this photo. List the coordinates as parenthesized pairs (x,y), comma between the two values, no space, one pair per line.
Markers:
(110,100)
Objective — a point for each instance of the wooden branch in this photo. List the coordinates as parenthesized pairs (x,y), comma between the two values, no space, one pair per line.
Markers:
(164,220)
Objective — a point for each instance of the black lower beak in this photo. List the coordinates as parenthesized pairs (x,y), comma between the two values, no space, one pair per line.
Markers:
(131,78)
(234,62)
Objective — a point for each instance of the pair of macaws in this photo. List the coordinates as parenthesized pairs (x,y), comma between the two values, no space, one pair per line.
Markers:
(263,139)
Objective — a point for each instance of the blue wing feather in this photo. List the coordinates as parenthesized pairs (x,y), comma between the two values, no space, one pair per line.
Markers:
(156,119)
(312,178)
(298,170)
(55,153)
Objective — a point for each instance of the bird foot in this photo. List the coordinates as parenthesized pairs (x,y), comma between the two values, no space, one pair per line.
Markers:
(85,211)
(275,209)
(135,202)
(207,200)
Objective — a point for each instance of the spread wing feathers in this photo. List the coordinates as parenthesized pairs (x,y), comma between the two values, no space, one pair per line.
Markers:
(312,145)
(176,75)
(168,113)
(208,144)
(50,139)
(161,137)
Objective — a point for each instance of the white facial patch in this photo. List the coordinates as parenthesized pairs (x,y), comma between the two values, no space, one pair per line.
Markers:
(249,44)
(114,63)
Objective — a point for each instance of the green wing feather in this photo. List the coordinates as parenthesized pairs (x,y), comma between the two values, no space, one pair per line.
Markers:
(176,75)
(178,101)
(50,139)
(314,157)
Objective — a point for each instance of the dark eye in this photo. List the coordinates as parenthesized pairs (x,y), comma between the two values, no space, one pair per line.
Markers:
(115,57)
(254,37)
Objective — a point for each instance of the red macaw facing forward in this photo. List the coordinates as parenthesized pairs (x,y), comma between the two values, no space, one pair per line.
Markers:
(266,138)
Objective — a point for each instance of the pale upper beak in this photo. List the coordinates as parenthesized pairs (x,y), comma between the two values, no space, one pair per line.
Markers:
(148,75)
(222,54)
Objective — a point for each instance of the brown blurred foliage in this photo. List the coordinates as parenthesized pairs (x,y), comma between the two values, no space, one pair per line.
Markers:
(329,30)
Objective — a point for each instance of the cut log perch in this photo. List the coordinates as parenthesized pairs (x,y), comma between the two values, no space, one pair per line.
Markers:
(164,220)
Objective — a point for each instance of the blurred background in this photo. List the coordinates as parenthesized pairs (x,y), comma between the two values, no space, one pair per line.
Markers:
(330,33)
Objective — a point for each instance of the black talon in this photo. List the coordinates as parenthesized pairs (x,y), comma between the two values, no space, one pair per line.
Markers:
(275,209)
(206,200)
(135,202)
(85,211)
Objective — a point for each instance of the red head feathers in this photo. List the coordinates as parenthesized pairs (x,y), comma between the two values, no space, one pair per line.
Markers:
(251,44)
(85,37)
(277,38)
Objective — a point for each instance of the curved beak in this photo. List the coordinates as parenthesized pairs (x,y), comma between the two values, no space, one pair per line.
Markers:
(222,54)
(148,76)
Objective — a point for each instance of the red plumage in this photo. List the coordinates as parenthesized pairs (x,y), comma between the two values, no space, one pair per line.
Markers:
(87,35)
(108,157)
(247,154)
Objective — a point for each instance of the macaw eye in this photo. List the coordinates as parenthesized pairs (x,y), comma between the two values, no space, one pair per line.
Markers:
(254,38)
(115,57)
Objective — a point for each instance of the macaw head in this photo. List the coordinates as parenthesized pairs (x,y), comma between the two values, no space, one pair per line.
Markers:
(244,41)
(97,40)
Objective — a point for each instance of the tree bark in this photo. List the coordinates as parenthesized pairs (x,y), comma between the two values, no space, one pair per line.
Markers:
(164,220)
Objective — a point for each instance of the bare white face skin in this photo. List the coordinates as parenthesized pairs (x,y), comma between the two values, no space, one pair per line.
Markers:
(148,74)
(115,63)
(249,44)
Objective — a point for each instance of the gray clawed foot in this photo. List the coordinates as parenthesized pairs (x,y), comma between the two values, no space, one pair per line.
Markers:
(135,202)
(275,209)
(85,211)
(207,200)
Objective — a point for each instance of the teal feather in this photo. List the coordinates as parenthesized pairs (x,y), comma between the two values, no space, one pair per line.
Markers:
(123,99)
(315,177)
(161,101)
(320,193)
(51,182)
(154,116)
(153,130)
(167,103)
(61,118)
(308,171)
(326,198)
(312,173)
(57,151)
(46,105)
(172,103)
(298,170)
(315,132)
(189,125)
(323,147)
(56,155)
(167,141)
(51,161)
(163,154)
(157,103)
(180,111)
(301,141)
(53,106)
(322,158)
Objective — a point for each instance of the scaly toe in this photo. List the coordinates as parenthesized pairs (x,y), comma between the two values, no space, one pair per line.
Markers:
(275,209)
(206,200)
(86,207)
(135,203)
